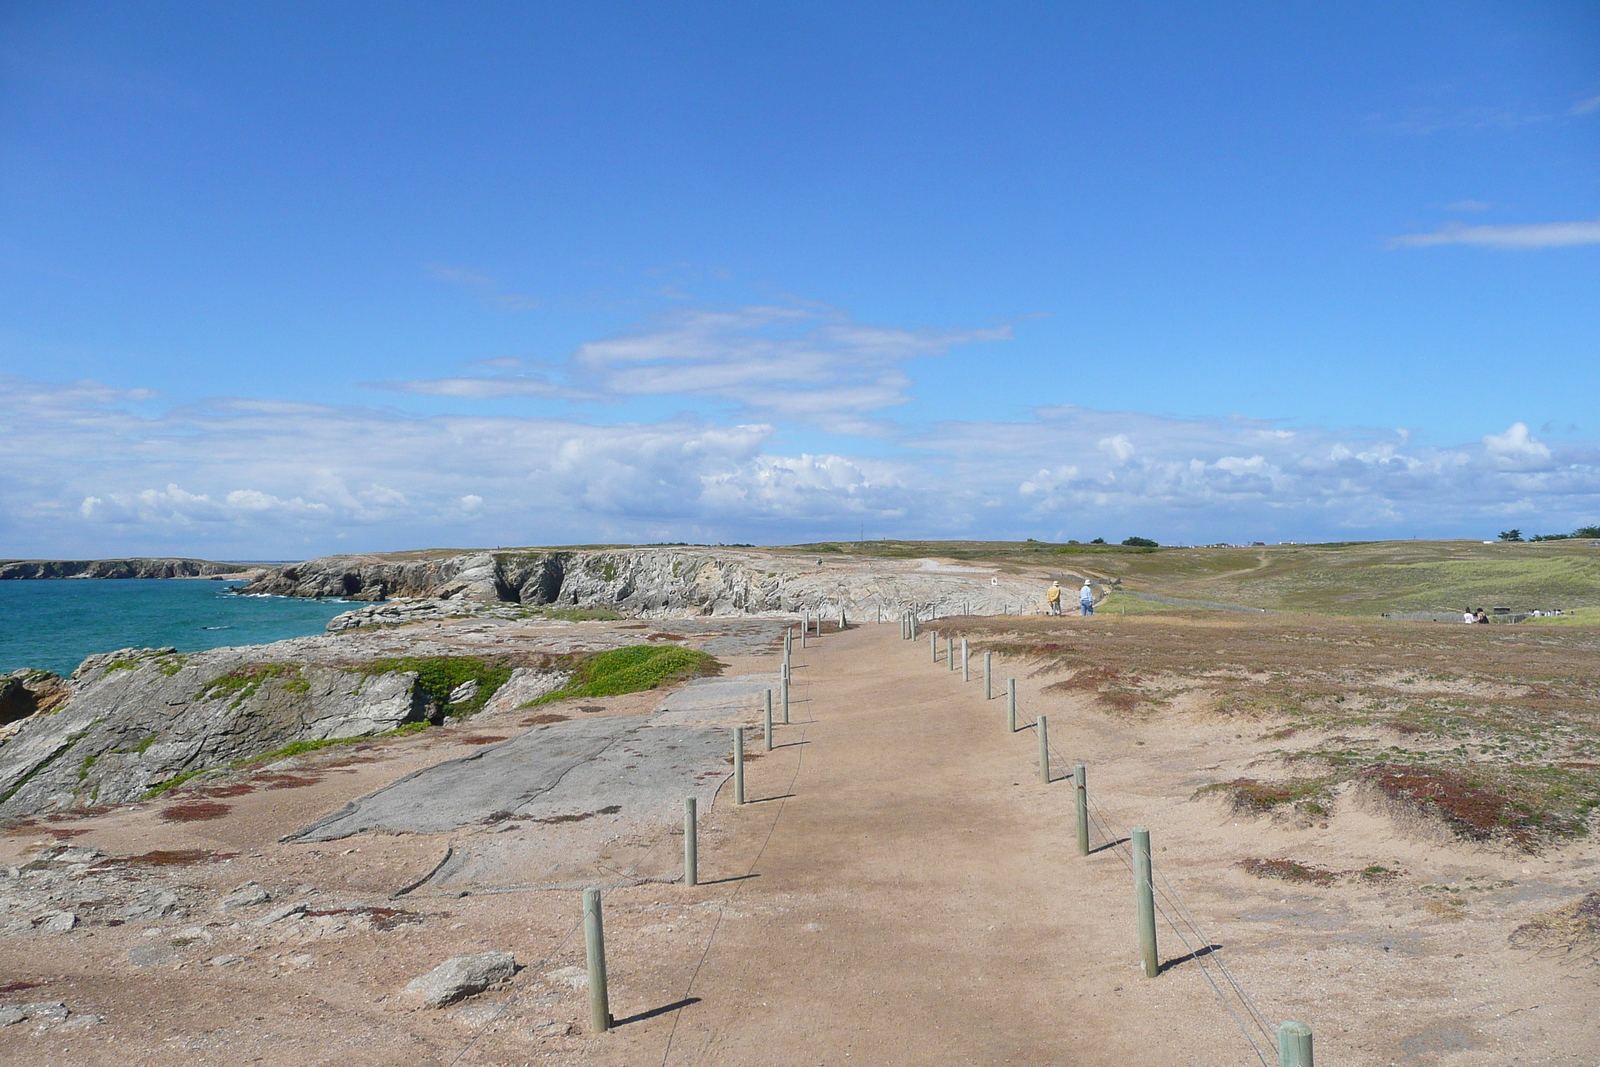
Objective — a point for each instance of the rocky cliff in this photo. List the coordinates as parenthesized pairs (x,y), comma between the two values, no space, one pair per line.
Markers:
(658,582)
(114,568)
(133,719)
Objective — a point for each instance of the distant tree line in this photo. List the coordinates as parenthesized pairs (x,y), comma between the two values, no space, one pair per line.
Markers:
(1584,532)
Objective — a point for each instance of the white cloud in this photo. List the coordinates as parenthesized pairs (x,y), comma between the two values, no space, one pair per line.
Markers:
(1118,446)
(1585,107)
(472,388)
(85,469)
(1469,205)
(1517,237)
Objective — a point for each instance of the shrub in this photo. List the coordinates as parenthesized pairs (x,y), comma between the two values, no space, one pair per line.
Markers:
(1141,542)
(632,669)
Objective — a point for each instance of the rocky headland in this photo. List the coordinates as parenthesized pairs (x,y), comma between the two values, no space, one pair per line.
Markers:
(445,635)
(661,582)
(14,569)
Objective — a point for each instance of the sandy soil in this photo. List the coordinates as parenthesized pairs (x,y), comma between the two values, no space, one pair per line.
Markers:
(901,889)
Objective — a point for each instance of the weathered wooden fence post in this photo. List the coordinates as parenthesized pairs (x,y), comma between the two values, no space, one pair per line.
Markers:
(1043,729)
(1294,1045)
(691,842)
(1011,704)
(933,644)
(767,720)
(1080,795)
(950,652)
(966,662)
(1145,901)
(786,699)
(738,764)
(594,940)
(988,676)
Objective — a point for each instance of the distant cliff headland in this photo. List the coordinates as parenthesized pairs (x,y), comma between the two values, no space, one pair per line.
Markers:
(12,569)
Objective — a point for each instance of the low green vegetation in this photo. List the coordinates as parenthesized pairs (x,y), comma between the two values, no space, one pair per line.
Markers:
(171,783)
(633,669)
(300,748)
(439,676)
(243,683)
(570,614)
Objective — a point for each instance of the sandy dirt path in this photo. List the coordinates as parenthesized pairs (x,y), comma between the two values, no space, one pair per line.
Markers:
(908,895)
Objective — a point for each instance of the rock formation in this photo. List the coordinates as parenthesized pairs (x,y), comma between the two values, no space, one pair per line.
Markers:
(115,568)
(646,582)
(140,717)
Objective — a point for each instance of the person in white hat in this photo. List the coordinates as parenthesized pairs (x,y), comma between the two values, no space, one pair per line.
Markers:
(1086,598)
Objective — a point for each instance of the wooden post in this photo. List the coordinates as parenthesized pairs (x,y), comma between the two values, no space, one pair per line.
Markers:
(1080,792)
(1294,1045)
(786,699)
(966,662)
(933,644)
(1144,902)
(913,626)
(691,843)
(805,624)
(1011,704)
(988,676)
(950,652)
(767,720)
(594,940)
(1043,730)
(788,647)
(738,764)
(841,620)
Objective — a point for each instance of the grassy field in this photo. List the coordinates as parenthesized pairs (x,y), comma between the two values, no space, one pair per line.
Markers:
(1344,578)
(1340,578)
(1494,731)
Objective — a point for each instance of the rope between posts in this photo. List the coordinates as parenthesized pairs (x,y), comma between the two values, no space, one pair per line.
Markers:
(1096,810)
(629,875)
(722,908)
(1165,893)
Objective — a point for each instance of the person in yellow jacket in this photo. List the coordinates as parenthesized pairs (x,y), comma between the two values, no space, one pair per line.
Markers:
(1052,598)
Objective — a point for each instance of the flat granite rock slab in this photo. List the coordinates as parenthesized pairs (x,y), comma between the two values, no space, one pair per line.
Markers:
(720,701)
(568,770)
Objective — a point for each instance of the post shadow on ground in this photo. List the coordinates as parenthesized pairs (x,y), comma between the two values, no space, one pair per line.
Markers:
(762,800)
(653,1012)
(1109,844)
(1196,954)
(730,878)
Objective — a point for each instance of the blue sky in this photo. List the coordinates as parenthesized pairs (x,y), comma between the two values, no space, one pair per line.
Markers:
(279,280)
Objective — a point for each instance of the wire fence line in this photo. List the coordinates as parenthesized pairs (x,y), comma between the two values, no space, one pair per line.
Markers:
(1180,918)
(783,803)
(631,879)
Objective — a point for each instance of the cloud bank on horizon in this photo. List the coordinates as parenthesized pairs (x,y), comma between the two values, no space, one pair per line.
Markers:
(101,469)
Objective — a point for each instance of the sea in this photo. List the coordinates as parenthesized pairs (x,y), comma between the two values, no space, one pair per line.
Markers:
(52,624)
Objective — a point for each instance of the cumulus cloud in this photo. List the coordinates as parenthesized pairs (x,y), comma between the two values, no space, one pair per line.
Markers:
(801,363)
(86,469)
(1513,237)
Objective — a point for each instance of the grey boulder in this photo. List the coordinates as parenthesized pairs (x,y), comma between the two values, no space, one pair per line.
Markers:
(460,976)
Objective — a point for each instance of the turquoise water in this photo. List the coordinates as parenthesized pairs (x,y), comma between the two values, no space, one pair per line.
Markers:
(54,623)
